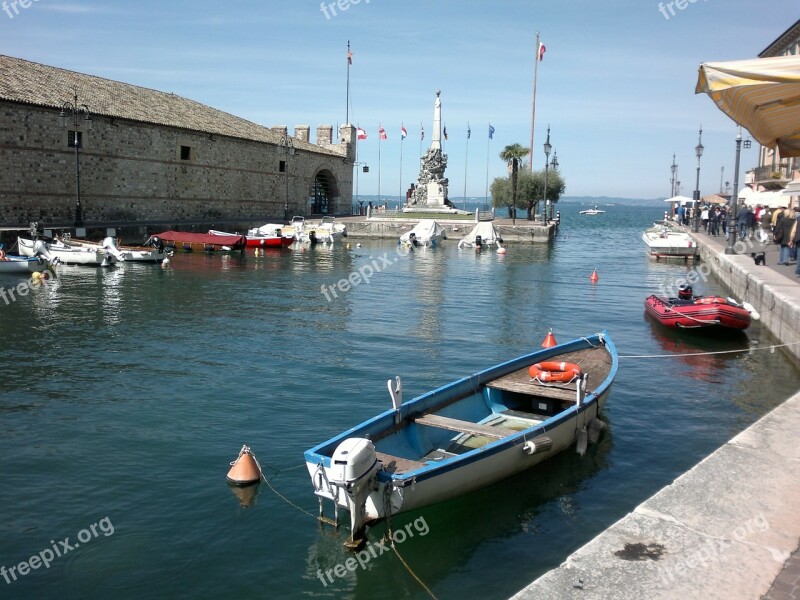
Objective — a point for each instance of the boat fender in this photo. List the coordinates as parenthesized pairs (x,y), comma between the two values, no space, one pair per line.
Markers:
(583,441)
(537,446)
(554,372)
(756,316)
(596,427)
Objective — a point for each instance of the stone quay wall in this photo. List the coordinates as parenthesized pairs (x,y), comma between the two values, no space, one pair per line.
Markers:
(140,172)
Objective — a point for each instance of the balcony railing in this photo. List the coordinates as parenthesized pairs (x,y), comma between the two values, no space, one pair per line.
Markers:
(777,175)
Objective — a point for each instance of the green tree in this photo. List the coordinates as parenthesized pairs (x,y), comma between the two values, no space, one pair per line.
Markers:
(513,155)
(530,190)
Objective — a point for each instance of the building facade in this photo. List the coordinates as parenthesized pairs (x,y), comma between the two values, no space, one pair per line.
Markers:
(145,156)
(775,173)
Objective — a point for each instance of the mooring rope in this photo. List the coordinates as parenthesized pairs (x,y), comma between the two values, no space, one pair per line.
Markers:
(301,509)
(771,348)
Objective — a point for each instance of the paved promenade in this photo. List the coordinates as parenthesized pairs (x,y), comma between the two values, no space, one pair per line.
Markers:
(730,527)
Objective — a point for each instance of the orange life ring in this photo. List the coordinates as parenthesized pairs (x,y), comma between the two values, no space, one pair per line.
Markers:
(556,372)
(711,300)
(2,255)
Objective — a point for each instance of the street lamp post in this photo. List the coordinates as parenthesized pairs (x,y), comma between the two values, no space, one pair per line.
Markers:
(699,151)
(554,164)
(287,147)
(732,202)
(76,111)
(547,148)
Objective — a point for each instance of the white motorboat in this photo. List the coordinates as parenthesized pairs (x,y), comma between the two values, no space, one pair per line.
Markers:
(593,211)
(483,234)
(69,254)
(662,241)
(425,233)
(326,231)
(153,252)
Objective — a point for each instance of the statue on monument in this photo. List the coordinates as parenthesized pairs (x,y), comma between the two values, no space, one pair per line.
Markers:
(431,189)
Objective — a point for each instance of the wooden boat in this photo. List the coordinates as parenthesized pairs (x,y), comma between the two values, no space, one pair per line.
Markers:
(266,236)
(697,312)
(664,242)
(201,242)
(23,264)
(465,435)
(67,253)
(593,211)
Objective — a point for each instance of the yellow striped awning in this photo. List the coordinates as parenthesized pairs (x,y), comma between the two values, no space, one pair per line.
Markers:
(762,95)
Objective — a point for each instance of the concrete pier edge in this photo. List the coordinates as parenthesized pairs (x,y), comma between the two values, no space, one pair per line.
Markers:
(730,526)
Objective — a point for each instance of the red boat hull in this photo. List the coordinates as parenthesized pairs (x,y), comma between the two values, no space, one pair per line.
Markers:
(269,242)
(705,312)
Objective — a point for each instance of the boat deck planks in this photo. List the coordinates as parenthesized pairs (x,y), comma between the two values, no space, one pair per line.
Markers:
(397,464)
(594,361)
(464,426)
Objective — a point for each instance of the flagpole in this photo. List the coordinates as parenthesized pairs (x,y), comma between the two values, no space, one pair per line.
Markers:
(347,108)
(535,78)
(488,146)
(401,168)
(380,137)
(466,165)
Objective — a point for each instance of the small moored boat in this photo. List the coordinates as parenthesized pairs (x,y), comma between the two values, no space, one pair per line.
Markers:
(22,264)
(663,242)
(202,242)
(266,236)
(466,435)
(69,254)
(425,233)
(699,312)
(593,211)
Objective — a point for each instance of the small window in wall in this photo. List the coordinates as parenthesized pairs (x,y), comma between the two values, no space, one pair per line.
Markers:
(282,166)
(186,153)
(71,139)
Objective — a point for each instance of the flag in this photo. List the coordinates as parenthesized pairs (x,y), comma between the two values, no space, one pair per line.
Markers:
(403,132)
(361,134)
(469,131)
(444,132)
(382,133)
(541,51)
(421,132)
(491,131)
(349,57)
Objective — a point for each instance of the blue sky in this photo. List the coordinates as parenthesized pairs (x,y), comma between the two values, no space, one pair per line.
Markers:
(616,84)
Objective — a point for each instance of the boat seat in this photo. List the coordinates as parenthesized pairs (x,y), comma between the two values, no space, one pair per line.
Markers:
(464,426)
(397,464)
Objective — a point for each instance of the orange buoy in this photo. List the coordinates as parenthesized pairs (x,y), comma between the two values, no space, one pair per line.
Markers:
(594,277)
(244,470)
(549,340)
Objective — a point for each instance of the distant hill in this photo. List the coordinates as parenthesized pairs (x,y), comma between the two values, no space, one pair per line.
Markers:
(606,200)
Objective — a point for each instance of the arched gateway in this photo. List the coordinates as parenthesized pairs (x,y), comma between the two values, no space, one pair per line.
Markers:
(324,193)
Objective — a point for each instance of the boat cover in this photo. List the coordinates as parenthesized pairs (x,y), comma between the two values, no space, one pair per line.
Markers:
(425,230)
(487,232)
(202,238)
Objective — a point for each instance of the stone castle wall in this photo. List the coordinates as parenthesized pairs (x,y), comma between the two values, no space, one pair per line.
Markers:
(138,172)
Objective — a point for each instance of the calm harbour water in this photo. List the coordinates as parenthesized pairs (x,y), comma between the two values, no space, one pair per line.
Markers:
(126,393)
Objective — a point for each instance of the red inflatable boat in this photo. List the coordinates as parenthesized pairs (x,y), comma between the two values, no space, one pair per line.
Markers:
(697,312)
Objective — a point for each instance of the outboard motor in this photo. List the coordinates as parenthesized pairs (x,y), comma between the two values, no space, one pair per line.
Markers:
(412,238)
(685,292)
(478,241)
(312,237)
(40,249)
(110,246)
(354,468)
(156,242)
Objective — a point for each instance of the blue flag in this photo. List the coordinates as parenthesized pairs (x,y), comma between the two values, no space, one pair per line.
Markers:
(491,131)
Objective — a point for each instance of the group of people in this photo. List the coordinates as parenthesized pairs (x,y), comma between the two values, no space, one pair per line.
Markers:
(786,233)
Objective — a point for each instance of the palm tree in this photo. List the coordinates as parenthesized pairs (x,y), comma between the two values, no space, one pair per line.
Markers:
(513,154)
